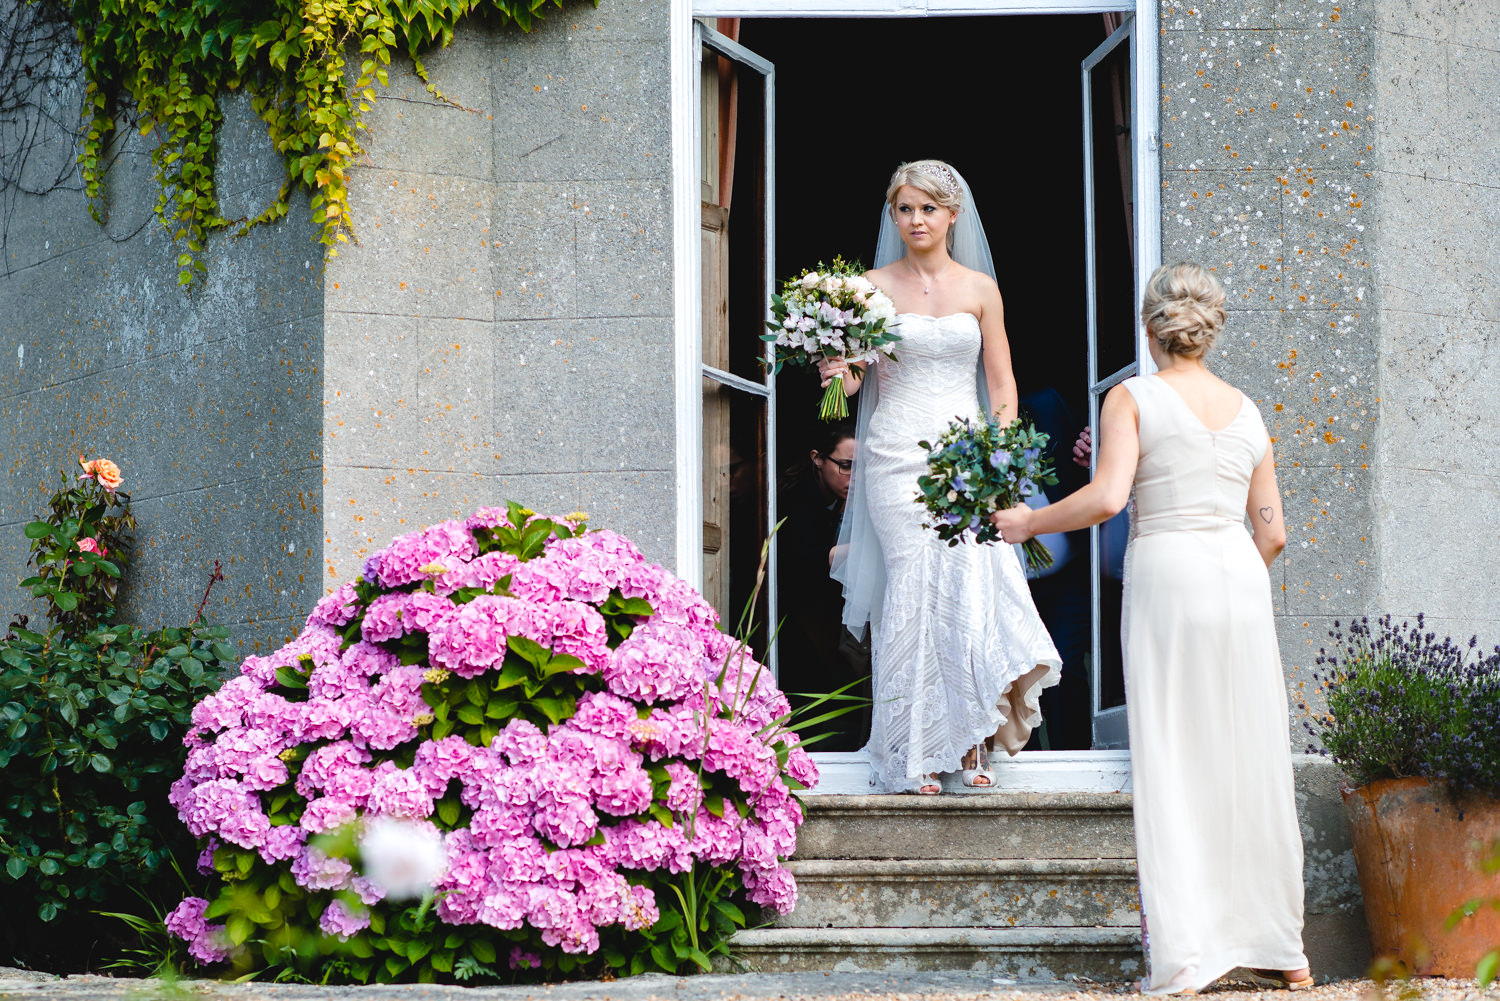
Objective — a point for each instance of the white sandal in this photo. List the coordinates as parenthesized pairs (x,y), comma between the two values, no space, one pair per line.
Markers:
(981,771)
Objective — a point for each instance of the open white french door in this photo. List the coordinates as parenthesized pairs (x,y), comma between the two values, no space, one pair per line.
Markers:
(1115,256)
(738,415)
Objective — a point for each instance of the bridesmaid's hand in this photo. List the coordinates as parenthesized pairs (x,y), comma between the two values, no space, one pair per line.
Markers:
(1083,447)
(1014,524)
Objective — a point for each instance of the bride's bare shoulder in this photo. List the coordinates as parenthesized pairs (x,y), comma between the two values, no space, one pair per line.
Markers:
(978,280)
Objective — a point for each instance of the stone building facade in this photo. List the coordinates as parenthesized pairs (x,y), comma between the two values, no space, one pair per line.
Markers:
(509,321)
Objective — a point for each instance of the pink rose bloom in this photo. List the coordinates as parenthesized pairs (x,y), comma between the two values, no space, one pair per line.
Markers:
(91,545)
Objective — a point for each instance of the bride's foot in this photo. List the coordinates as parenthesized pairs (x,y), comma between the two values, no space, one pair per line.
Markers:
(931,785)
(976,768)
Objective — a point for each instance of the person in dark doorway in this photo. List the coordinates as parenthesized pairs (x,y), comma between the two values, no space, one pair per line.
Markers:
(1061,591)
(817,654)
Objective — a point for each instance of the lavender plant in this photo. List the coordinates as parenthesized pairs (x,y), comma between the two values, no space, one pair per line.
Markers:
(1402,703)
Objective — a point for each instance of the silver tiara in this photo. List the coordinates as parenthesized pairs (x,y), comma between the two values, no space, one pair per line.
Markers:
(944,174)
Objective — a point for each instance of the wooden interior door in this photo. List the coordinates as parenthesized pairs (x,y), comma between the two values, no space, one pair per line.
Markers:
(716,465)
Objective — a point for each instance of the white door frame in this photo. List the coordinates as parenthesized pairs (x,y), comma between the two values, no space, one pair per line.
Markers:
(686,266)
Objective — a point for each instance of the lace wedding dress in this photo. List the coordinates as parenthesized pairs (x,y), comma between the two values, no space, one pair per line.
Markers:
(959,651)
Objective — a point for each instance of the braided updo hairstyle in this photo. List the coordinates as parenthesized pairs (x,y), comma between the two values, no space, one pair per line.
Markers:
(1183,308)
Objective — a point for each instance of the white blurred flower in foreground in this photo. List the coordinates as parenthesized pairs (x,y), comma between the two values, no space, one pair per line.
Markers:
(403,857)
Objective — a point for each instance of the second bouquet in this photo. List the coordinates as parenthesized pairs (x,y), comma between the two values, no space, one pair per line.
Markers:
(980,466)
(832,313)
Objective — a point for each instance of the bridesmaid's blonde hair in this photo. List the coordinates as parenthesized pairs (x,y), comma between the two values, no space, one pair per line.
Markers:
(1183,308)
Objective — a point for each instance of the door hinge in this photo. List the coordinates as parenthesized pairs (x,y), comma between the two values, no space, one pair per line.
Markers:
(1153,141)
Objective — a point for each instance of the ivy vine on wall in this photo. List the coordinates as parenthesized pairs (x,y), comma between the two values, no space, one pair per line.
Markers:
(176,58)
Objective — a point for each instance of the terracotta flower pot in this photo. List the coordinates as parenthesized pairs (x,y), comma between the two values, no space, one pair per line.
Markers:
(1418,863)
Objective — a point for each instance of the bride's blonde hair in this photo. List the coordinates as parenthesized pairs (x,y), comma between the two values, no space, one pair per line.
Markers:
(1183,308)
(933,178)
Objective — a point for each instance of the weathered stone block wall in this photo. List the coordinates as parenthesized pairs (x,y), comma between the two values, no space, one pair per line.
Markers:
(504,327)
(1268,140)
(1268,129)
(208,399)
(1437,100)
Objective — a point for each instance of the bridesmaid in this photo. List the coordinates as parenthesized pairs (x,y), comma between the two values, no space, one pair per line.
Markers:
(1217,838)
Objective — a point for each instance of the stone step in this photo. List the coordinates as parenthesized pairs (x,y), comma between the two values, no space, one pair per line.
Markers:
(964,893)
(1102,954)
(998,825)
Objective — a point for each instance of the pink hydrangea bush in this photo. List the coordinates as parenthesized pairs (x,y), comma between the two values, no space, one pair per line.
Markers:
(598,768)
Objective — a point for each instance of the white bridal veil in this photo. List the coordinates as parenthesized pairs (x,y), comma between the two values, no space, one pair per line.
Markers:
(858,562)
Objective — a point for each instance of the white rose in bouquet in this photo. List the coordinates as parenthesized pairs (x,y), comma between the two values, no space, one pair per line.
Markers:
(828,315)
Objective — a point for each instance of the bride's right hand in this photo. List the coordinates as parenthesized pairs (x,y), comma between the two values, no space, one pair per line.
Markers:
(829,368)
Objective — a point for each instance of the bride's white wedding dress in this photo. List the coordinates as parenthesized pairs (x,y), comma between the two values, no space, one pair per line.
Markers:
(959,650)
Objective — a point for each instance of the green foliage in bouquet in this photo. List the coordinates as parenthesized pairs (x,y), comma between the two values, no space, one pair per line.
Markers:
(92,712)
(978,467)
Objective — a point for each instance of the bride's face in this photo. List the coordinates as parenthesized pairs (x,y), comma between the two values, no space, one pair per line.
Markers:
(921,221)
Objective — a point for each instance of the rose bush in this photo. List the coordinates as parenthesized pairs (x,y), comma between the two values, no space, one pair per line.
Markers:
(608,774)
(92,710)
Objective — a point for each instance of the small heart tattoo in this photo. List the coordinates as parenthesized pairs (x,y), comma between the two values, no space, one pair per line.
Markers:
(1267,513)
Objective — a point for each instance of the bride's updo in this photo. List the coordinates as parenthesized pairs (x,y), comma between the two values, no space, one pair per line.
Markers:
(1183,308)
(933,178)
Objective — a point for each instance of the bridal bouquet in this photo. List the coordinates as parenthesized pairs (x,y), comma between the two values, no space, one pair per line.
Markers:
(979,467)
(831,313)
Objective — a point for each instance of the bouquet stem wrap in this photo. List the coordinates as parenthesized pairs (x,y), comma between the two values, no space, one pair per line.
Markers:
(835,405)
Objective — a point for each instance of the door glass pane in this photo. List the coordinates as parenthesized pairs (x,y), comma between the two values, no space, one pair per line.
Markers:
(1113,535)
(747,249)
(734,504)
(1114,255)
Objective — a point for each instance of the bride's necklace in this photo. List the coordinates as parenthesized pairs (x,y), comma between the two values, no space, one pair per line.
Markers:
(927,283)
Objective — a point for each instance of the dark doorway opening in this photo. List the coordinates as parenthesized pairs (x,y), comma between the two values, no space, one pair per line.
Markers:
(1000,99)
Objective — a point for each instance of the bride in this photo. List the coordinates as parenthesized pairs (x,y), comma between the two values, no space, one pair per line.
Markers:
(959,654)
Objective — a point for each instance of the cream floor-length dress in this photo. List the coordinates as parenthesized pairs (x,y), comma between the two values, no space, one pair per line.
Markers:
(1217,838)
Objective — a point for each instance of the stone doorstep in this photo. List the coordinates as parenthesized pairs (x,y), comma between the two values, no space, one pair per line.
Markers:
(997,825)
(1101,954)
(928,893)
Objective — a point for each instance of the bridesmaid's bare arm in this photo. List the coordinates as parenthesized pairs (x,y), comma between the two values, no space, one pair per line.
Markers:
(1104,496)
(1264,507)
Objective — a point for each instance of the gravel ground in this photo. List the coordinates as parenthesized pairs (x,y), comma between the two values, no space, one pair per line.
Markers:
(24,985)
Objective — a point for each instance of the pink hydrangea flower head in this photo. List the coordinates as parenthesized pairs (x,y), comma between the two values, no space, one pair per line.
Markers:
(407,559)
(337,608)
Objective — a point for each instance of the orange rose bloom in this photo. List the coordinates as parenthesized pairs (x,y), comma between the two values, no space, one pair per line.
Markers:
(108,474)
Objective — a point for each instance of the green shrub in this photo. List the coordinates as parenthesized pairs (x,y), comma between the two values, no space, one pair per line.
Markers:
(92,714)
